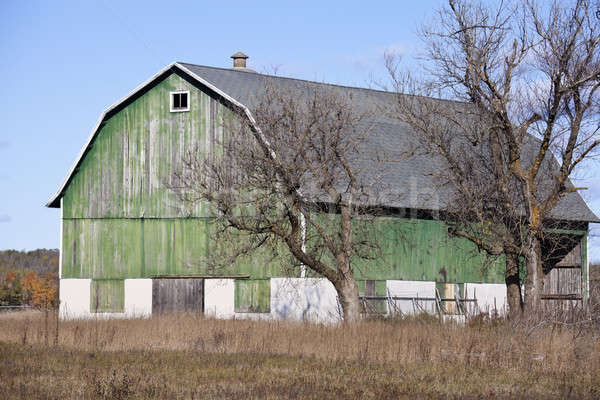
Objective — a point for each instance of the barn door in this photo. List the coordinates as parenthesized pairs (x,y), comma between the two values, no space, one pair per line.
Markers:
(170,295)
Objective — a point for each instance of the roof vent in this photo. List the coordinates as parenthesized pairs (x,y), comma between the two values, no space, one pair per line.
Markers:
(239,62)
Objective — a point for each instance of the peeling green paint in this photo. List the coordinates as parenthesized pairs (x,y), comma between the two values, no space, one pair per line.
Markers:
(422,250)
(136,248)
(252,296)
(107,296)
(140,248)
(125,172)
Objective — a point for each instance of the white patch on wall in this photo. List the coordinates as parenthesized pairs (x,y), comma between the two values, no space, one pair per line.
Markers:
(219,298)
(304,299)
(412,290)
(138,297)
(74,298)
(490,297)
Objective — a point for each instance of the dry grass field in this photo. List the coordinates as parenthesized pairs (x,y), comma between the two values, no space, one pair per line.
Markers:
(187,357)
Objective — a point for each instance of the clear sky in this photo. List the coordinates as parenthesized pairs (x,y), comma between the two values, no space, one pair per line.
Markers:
(63,63)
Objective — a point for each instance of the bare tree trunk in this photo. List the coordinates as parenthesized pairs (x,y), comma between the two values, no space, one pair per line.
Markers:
(46,328)
(534,284)
(513,286)
(346,284)
(57,326)
(347,290)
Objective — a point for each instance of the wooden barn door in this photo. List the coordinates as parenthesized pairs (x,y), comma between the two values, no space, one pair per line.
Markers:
(171,295)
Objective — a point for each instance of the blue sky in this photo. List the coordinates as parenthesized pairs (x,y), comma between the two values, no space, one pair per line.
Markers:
(63,63)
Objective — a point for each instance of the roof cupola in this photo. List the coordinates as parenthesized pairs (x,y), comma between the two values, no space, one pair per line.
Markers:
(239,60)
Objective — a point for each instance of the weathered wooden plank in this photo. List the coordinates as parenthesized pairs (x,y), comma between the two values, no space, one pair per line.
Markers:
(563,281)
(561,297)
(572,259)
(177,295)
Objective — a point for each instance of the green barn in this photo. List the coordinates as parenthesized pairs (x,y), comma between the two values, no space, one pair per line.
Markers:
(130,248)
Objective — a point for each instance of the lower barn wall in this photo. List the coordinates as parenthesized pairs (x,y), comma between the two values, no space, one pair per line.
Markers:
(300,299)
(415,289)
(490,297)
(74,295)
(138,297)
(219,296)
(75,299)
(304,299)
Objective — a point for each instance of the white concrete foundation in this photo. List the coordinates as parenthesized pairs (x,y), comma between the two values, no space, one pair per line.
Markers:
(490,297)
(304,299)
(219,295)
(300,299)
(74,298)
(411,289)
(138,298)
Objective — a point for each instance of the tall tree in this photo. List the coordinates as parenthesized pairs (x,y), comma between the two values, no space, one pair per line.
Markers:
(290,177)
(526,77)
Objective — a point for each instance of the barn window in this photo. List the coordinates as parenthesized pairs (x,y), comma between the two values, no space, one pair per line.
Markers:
(107,296)
(180,101)
(253,296)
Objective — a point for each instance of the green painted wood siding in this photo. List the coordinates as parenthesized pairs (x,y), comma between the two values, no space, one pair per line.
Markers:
(141,248)
(252,296)
(107,296)
(125,171)
(422,250)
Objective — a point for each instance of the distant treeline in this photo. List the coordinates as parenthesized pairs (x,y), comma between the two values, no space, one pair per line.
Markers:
(29,278)
(41,261)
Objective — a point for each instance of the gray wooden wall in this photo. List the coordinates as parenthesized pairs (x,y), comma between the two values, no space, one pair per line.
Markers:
(177,295)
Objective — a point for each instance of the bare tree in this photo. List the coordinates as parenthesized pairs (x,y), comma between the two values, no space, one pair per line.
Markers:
(525,78)
(291,177)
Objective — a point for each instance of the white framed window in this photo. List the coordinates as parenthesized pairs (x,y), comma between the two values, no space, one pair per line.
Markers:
(180,101)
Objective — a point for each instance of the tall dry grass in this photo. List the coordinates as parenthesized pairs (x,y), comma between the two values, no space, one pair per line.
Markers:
(537,358)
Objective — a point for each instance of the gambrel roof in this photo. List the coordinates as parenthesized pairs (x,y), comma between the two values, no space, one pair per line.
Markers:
(409,182)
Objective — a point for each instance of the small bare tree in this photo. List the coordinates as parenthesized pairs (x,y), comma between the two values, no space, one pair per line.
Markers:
(292,178)
(526,77)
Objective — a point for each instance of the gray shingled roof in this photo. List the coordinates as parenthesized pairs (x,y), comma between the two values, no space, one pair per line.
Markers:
(409,183)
